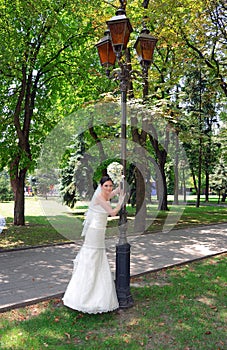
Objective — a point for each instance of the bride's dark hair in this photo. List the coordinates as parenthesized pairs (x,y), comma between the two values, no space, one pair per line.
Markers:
(105,179)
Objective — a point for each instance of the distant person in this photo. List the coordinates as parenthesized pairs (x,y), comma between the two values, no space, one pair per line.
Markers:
(91,288)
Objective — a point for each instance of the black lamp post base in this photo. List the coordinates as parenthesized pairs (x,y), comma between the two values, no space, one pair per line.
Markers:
(123,276)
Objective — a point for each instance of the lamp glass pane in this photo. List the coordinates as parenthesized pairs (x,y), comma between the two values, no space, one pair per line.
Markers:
(147,49)
(106,53)
(145,46)
(120,29)
(117,31)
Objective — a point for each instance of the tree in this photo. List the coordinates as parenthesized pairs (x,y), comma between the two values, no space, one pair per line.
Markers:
(75,179)
(170,22)
(39,64)
(219,181)
(197,29)
(200,102)
(6,193)
(49,67)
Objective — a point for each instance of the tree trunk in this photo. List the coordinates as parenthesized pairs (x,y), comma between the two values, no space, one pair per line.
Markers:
(199,174)
(184,187)
(194,179)
(23,156)
(176,177)
(207,187)
(224,195)
(141,212)
(161,154)
(200,144)
(163,204)
(18,184)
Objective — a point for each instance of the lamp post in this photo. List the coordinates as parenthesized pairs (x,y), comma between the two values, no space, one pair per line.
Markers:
(111,48)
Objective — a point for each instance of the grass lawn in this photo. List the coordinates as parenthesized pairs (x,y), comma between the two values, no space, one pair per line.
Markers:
(180,308)
(41,230)
(37,230)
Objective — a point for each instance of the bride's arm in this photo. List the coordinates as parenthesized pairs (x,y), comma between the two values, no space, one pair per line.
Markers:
(115,192)
(107,207)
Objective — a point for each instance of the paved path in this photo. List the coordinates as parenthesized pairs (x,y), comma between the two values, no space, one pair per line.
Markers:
(36,274)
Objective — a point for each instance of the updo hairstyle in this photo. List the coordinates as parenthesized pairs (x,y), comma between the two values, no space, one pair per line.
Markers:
(105,179)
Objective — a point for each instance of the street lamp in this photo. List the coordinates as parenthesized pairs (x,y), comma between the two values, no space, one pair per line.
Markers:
(106,53)
(110,48)
(120,29)
(144,46)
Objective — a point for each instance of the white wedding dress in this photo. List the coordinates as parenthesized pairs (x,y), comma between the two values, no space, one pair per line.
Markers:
(91,288)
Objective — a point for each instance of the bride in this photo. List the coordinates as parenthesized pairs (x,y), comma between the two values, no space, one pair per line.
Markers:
(91,288)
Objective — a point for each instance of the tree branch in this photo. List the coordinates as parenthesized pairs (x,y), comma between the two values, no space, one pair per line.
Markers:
(194,48)
(145,4)
(19,105)
(97,141)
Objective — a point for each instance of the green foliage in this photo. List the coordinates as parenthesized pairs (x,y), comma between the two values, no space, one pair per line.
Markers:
(90,151)
(46,181)
(48,46)
(71,189)
(50,68)
(42,40)
(6,193)
(199,119)
(219,180)
(170,177)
